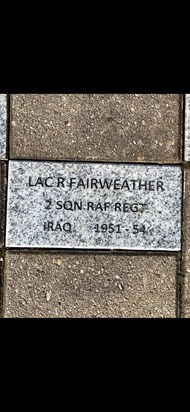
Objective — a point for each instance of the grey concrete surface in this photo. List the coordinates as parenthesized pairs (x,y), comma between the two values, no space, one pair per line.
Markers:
(107,127)
(62,285)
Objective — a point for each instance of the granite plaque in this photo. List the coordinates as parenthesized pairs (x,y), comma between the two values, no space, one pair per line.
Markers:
(94,205)
(3,173)
(3,123)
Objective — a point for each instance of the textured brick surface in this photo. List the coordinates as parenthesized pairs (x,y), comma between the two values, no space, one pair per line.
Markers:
(89,285)
(113,127)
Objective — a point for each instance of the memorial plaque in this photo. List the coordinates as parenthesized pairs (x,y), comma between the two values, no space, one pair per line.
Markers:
(94,205)
(3,173)
(3,120)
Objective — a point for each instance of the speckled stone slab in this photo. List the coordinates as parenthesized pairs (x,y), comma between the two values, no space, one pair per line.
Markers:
(3,170)
(187,128)
(3,122)
(94,206)
(185,279)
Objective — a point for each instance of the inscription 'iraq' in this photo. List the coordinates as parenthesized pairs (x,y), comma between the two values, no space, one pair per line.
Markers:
(94,206)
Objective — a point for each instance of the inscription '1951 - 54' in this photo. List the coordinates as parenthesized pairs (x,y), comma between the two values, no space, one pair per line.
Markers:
(95,206)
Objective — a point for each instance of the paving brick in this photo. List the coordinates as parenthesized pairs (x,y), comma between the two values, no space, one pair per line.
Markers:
(107,127)
(89,285)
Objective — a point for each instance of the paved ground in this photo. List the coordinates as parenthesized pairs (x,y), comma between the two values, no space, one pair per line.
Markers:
(89,285)
(121,128)
(128,128)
